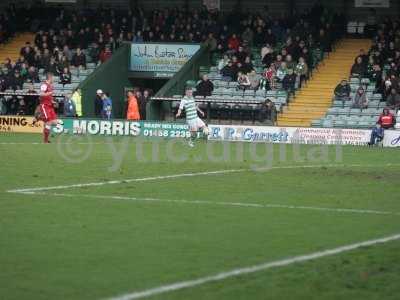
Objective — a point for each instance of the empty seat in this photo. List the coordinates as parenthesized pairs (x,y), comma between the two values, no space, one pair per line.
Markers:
(327,123)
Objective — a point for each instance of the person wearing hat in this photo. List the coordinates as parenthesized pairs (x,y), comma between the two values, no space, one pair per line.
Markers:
(98,103)
(192,118)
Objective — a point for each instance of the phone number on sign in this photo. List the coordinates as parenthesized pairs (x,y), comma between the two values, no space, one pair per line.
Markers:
(166,133)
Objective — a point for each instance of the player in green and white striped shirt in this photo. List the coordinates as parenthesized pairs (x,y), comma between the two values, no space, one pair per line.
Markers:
(192,119)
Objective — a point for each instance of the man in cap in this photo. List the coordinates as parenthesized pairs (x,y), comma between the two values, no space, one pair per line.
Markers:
(98,103)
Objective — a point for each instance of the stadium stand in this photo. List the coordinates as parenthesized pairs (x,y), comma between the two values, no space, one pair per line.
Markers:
(267,62)
(60,32)
(314,100)
(379,78)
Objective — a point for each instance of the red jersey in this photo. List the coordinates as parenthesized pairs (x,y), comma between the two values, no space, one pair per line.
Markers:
(386,121)
(48,99)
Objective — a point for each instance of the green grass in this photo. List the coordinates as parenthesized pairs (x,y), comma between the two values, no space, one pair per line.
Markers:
(85,247)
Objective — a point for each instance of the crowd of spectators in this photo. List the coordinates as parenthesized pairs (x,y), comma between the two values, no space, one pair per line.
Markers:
(66,39)
(381,66)
(285,47)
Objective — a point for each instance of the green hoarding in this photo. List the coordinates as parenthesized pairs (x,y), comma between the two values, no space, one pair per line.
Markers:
(122,128)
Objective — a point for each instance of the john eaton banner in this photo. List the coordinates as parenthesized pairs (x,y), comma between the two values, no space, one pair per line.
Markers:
(161,59)
(122,128)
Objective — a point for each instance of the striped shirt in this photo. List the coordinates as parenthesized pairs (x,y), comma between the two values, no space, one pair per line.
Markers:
(190,108)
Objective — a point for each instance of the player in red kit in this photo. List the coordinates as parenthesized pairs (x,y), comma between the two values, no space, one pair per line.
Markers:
(46,107)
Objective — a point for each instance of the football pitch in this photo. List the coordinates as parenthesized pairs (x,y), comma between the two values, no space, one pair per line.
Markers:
(128,218)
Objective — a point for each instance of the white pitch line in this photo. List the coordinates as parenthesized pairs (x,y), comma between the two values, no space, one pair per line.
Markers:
(226,171)
(224,203)
(79,185)
(252,269)
(38,143)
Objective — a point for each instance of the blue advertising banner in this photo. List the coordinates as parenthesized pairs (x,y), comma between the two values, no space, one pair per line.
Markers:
(162,59)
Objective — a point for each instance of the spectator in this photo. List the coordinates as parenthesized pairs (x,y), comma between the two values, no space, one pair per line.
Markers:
(16,81)
(79,59)
(387,120)
(77,99)
(3,80)
(223,62)
(69,107)
(67,53)
(241,54)
(290,64)
(243,81)
(267,55)
(211,42)
(289,81)
(360,99)
(105,54)
(376,77)
(62,63)
(387,87)
(393,99)
(270,37)
(132,112)
(268,111)
(31,101)
(3,106)
(270,76)
(205,87)
(32,75)
(51,67)
(7,64)
(247,65)
(228,72)
(377,135)
(358,69)
(301,71)
(98,104)
(94,52)
(23,69)
(254,79)
(106,111)
(65,77)
(22,109)
(143,103)
(248,35)
(138,38)
(233,43)
(364,57)
(342,91)
(27,53)
(281,72)
(258,37)
(264,84)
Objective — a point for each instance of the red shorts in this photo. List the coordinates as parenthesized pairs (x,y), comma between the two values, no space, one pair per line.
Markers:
(47,113)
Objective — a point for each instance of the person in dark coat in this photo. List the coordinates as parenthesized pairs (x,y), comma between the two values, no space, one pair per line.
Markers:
(143,103)
(229,72)
(205,87)
(98,104)
(358,69)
